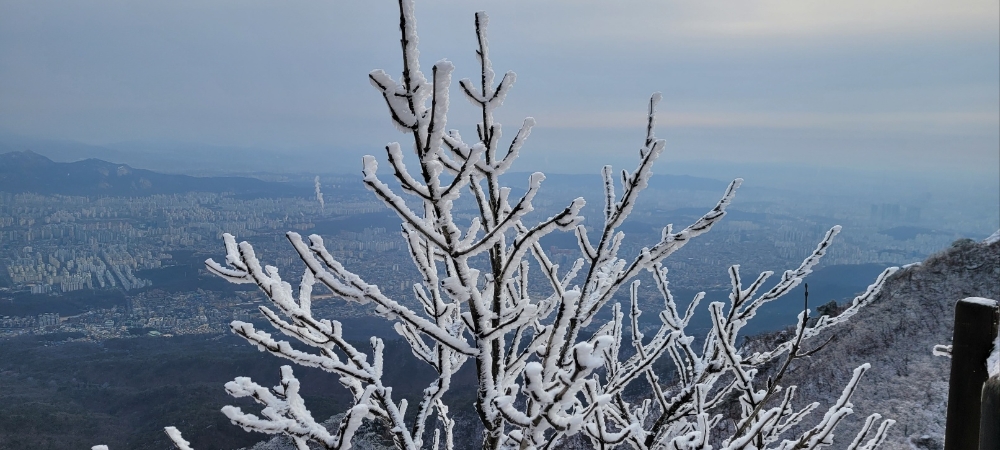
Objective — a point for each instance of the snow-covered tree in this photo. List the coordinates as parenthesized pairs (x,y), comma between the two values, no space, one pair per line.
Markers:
(548,366)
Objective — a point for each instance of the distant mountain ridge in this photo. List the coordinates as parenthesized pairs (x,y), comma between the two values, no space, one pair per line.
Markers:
(184,158)
(26,171)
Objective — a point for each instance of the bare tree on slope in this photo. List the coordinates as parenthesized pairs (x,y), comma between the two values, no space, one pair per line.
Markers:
(543,374)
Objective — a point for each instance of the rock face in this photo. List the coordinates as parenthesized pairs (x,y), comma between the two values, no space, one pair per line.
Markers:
(896,334)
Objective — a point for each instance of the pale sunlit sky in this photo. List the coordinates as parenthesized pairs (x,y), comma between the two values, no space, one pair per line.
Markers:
(850,83)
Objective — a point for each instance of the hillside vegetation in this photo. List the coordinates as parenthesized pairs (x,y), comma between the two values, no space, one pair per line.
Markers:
(896,334)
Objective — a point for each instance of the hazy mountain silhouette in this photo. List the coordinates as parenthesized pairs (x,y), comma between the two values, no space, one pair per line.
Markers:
(189,158)
(26,171)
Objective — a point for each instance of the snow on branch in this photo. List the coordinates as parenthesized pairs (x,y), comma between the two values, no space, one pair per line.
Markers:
(175,437)
(545,370)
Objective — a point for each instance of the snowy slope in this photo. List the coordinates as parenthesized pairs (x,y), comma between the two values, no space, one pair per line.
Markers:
(896,334)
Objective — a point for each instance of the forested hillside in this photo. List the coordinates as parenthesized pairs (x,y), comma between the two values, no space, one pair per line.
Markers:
(896,334)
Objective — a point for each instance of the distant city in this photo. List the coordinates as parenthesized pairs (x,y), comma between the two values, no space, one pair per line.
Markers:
(148,250)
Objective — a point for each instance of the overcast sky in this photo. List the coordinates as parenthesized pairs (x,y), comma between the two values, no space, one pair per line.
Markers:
(849,83)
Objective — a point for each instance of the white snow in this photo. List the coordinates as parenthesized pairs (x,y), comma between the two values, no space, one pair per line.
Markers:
(942,350)
(981,301)
(993,238)
(175,436)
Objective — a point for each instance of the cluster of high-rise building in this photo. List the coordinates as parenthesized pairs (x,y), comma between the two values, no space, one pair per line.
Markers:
(58,245)
(67,270)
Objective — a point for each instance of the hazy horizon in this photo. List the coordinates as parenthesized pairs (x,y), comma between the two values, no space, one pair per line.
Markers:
(914,88)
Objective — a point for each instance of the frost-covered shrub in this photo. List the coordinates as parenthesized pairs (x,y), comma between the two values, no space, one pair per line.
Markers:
(548,367)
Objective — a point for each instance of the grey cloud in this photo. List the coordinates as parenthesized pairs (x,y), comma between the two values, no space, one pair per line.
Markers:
(291,75)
